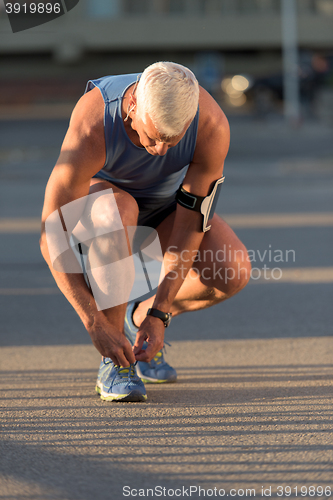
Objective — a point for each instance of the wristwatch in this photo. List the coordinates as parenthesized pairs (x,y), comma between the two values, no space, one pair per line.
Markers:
(165,317)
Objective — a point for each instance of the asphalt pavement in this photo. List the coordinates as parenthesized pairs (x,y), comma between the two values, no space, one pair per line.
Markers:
(251,413)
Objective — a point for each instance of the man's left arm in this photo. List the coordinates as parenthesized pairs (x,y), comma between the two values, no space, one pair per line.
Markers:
(207,166)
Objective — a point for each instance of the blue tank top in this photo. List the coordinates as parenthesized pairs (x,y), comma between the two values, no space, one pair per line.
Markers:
(130,167)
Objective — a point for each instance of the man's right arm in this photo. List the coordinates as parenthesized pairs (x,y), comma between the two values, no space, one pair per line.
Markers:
(82,156)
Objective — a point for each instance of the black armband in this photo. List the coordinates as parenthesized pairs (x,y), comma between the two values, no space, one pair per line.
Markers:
(204,204)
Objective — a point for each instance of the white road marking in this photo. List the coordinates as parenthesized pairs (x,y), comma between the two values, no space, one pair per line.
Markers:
(28,225)
(258,221)
(29,291)
(301,275)
(237,221)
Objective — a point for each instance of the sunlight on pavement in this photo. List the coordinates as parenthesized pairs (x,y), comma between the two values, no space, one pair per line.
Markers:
(236,221)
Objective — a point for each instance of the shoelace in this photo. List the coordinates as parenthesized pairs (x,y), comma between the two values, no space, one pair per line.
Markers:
(123,371)
(127,371)
(158,358)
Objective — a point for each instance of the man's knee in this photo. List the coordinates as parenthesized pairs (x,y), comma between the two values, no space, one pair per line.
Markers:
(110,214)
(238,271)
(233,274)
(114,211)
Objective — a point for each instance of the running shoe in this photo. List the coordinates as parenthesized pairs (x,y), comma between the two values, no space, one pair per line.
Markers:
(116,383)
(157,371)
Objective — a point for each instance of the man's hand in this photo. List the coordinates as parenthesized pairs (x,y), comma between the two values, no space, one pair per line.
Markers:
(111,343)
(151,330)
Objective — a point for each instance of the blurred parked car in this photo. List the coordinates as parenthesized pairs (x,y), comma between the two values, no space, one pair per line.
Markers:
(266,92)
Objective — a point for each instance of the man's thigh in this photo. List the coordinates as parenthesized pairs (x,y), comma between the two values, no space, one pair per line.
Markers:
(151,211)
(126,204)
(220,242)
(222,260)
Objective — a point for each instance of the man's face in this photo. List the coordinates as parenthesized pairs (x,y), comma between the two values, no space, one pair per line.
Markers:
(155,143)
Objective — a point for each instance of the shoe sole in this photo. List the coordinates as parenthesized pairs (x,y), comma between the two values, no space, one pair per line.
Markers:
(147,380)
(150,380)
(132,397)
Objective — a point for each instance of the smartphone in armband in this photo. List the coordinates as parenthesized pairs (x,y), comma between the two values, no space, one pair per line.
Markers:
(206,205)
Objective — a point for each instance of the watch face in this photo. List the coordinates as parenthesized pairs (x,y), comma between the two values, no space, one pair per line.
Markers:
(168,320)
(165,317)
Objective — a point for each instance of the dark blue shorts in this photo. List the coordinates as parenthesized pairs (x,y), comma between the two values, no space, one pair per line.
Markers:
(152,211)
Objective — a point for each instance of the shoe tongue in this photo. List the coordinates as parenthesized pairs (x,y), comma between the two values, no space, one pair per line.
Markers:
(107,360)
(124,371)
(157,357)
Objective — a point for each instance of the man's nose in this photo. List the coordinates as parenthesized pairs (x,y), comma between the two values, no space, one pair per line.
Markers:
(161,148)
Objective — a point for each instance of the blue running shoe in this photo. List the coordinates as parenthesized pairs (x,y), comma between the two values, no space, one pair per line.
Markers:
(157,371)
(115,383)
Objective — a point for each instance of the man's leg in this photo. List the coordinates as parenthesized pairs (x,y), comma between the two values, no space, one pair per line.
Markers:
(220,270)
(103,215)
(114,383)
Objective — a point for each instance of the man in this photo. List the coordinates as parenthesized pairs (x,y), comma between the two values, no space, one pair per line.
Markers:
(143,136)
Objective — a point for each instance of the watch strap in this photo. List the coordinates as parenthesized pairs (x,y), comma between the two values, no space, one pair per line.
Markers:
(156,313)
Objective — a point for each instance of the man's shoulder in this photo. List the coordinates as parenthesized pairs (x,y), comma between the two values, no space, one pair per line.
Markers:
(84,142)
(112,87)
(88,114)
(213,129)
(212,117)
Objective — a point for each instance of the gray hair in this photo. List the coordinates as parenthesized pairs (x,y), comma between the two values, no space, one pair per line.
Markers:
(169,94)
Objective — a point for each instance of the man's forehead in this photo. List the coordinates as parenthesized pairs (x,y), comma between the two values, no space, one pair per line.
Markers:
(153,132)
(166,138)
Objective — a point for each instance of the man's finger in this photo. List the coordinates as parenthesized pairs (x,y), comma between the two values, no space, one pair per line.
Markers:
(129,353)
(142,356)
(138,344)
(123,361)
(148,354)
(110,356)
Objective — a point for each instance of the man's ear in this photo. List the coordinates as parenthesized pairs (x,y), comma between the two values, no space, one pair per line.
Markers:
(132,101)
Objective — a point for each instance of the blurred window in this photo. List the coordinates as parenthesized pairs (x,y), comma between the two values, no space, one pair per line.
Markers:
(214,7)
(229,6)
(248,6)
(2,8)
(325,7)
(104,8)
(158,6)
(264,6)
(177,7)
(273,6)
(243,6)
(306,6)
(115,8)
(136,7)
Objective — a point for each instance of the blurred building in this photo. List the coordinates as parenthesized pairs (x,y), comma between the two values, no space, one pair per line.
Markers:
(121,25)
(213,37)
